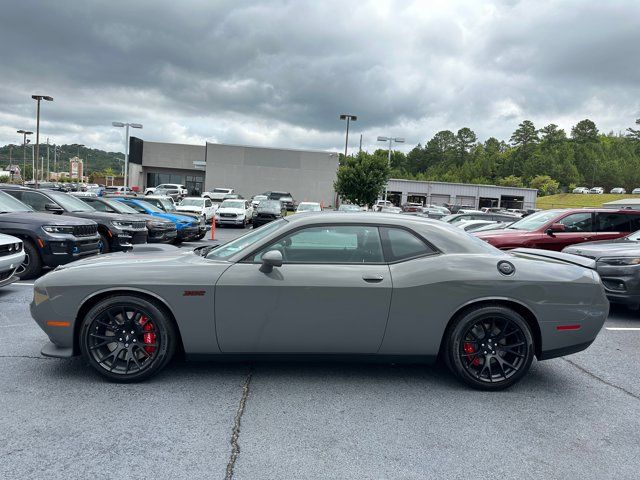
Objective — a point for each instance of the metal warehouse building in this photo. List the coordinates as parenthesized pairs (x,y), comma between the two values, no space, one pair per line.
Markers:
(306,174)
(439,193)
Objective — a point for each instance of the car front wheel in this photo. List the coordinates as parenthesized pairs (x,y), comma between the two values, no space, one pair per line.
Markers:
(489,348)
(32,263)
(127,338)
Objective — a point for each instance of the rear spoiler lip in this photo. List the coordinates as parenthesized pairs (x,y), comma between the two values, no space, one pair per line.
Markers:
(563,257)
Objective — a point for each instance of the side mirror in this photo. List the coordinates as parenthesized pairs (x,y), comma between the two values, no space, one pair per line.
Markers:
(272,258)
(52,207)
(554,228)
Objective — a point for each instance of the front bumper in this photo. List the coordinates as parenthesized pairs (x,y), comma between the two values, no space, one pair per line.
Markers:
(188,232)
(62,249)
(162,236)
(621,284)
(127,238)
(230,220)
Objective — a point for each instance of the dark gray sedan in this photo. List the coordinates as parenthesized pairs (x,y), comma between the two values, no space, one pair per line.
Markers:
(381,286)
(618,263)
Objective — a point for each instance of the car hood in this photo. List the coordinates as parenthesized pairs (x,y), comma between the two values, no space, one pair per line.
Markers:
(102,216)
(231,210)
(605,249)
(31,218)
(188,208)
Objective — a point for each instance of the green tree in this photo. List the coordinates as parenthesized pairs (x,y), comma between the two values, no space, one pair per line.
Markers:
(511,181)
(634,133)
(545,185)
(360,179)
(524,139)
(465,139)
(584,131)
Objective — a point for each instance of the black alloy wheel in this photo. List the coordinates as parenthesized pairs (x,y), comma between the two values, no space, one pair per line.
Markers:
(490,348)
(104,243)
(127,338)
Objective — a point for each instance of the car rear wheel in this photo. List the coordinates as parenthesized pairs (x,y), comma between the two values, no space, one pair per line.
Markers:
(127,338)
(489,348)
(32,263)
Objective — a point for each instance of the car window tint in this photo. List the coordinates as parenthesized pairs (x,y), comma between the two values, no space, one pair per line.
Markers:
(329,244)
(136,207)
(207,203)
(101,207)
(614,222)
(404,244)
(36,200)
(578,222)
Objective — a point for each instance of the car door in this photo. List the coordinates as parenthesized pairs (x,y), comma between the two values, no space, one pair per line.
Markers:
(610,225)
(578,228)
(331,295)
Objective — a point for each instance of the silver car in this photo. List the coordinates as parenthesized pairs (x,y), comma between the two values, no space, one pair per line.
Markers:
(11,258)
(327,284)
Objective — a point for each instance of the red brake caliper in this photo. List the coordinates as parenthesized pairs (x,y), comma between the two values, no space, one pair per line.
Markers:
(149,336)
(468,349)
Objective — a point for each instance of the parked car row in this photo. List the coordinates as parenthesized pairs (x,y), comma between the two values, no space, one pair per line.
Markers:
(55,227)
(600,190)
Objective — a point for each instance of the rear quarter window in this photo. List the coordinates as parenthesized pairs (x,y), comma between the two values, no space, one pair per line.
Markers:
(401,244)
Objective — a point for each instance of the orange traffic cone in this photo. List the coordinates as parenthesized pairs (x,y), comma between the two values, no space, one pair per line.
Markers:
(213,228)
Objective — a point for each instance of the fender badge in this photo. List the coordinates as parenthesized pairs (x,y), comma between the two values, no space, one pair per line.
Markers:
(193,293)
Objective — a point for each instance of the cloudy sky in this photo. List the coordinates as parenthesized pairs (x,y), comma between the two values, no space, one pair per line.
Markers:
(278,73)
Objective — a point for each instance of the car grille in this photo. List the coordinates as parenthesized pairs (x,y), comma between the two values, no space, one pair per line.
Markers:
(228,215)
(85,230)
(9,249)
(138,225)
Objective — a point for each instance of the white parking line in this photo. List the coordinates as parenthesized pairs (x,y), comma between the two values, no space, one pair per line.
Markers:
(20,283)
(15,325)
(623,329)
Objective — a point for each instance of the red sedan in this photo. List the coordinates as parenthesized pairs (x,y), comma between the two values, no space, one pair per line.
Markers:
(556,229)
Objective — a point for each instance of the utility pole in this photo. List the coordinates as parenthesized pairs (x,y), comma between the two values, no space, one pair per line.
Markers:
(48,171)
(390,140)
(24,153)
(38,98)
(348,117)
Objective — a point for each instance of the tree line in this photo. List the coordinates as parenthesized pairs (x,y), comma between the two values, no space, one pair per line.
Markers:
(544,158)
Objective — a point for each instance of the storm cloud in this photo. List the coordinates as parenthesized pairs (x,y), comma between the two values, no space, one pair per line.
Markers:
(278,73)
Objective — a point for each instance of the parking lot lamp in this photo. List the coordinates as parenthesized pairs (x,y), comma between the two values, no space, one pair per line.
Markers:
(390,140)
(24,152)
(38,99)
(348,117)
(126,146)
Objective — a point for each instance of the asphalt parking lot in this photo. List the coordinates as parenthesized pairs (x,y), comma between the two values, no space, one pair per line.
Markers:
(577,417)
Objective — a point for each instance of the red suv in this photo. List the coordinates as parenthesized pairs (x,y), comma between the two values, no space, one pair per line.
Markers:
(556,229)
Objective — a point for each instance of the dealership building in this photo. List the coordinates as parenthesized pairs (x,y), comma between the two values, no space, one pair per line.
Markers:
(306,174)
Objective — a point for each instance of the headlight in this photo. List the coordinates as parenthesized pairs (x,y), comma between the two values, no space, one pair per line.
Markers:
(58,229)
(620,261)
(119,224)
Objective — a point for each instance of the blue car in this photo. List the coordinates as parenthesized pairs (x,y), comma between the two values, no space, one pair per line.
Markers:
(187,227)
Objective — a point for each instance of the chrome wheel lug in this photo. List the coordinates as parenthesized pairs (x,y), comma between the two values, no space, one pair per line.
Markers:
(126,345)
(120,339)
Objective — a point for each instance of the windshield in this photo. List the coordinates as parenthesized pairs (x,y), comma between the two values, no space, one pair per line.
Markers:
(167,204)
(269,205)
(192,202)
(70,203)
(119,206)
(348,208)
(535,221)
(225,251)
(10,204)
(279,195)
(232,204)
(221,190)
(150,206)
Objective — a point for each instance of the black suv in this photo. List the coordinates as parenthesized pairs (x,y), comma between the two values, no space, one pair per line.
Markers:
(160,230)
(285,197)
(117,232)
(48,241)
(268,211)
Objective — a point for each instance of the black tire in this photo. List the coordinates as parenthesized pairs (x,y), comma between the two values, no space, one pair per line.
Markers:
(105,243)
(151,354)
(32,264)
(201,236)
(489,348)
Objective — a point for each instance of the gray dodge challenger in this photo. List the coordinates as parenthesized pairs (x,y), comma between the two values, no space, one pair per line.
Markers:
(336,285)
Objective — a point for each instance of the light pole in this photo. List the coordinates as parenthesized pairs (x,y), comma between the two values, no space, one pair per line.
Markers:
(126,146)
(24,152)
(390,140)
(39,98)
(348,117)
(84,167)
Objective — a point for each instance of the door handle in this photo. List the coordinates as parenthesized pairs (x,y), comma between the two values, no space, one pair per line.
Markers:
(372,278)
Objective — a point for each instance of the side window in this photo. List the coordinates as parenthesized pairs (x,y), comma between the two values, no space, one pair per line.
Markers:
(329,244)
(36,200)
(401,244)
(101,207)
(137,208)
(614,222)
(207,203)
(578,222)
